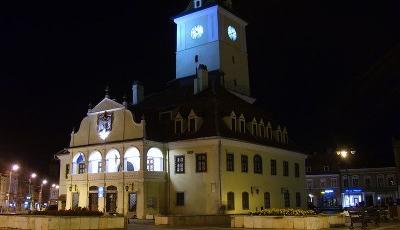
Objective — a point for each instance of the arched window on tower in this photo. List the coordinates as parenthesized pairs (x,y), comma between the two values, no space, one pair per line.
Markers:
(113,161)
(132,160)
(78,164)
(197,3)
(95,162)
(155,160)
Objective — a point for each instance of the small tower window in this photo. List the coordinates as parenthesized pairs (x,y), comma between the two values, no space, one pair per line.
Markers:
(196,58)
(233,59)
(235,82)
(197,3)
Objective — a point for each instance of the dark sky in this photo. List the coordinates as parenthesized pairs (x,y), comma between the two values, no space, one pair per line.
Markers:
(309,62)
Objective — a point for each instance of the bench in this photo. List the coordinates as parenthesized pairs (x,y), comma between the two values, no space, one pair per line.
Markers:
(364,216)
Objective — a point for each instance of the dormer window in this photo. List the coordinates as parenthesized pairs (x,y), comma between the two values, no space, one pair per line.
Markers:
(192,124)
(242,122)
(254,124)
(197,3)
(233,124)
(269,131)
(279,134)
(262,128)
(178,124)
(285,136)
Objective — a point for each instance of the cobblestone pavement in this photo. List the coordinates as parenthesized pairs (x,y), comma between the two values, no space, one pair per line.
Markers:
(383,226)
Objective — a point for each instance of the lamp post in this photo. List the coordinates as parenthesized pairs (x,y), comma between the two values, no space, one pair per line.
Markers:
(33,176)
(344,153)
(14,168)
(44,182)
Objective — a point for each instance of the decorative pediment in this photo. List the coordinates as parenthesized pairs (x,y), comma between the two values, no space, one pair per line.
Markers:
(106,105)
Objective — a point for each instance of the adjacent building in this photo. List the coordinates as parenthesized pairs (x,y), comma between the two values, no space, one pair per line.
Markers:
(332,187)
(200,146)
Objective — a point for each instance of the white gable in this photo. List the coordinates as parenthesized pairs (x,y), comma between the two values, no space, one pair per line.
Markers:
(106,105)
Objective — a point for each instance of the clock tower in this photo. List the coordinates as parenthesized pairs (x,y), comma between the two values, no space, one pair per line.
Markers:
(208,33)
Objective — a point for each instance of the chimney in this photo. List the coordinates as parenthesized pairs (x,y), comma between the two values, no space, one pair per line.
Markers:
(137,93)
(201,81)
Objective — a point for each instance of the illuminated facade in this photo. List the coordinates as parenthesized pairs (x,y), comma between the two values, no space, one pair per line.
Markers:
(200,146)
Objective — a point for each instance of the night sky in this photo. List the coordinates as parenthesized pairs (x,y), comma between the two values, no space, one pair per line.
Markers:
(310,65)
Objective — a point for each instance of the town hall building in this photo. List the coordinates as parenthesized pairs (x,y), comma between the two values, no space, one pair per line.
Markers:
(200,146)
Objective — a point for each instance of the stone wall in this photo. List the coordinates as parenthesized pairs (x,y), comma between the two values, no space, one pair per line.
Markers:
(60,222)
(288,222)
(199,220)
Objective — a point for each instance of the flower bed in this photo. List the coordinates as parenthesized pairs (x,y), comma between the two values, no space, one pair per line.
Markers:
(283,212)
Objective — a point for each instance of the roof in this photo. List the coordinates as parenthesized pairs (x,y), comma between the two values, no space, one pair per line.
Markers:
(211,105)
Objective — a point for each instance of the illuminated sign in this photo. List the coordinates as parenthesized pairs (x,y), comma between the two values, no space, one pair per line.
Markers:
(328,191)
(101,192)
(353,190)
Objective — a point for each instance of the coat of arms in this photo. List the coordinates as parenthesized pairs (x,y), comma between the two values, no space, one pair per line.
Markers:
(104,124)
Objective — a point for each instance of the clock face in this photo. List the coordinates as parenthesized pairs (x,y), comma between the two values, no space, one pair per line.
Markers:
(232,33)
(197,32)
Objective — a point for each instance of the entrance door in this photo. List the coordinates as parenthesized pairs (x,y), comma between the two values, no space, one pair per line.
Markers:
(111,202)
(132,202)
(93,201)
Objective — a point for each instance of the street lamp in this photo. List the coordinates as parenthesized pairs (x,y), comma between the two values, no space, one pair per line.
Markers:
(33,176)
(344,153)
(44,182)
(14,168)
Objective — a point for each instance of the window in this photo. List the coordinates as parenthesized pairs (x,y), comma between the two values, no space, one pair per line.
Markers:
(112,161)
(180,199)
(78,159)
(245,200)
(390,180)
(233,124)
(326,168)
(269,131)
(132,159)
(94,159)
(179,164)
(380,181)
(254,129)
(245,163)
(81,168)
(298,199)
(273,167)
(333,182)
(230,162)
(285,168)
(201,162)
(257,164)
(308,168)
(233,59)
(178,126)
(262,131)
(367,182)
(231,201)
(354,181)
(192,125)
(309,184)
(286,198)
(196,58)
(197,4)
(67,169)
(278,135)
(267,200)
(345,181)
(322,183)
(155,160)
(296,170)
(132,202)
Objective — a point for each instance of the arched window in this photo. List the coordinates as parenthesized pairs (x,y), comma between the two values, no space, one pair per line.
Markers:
(245,200)
(112,161)
(78,164)
(257,164)
(95,162)
(155,160)
(132,160)
(231,201)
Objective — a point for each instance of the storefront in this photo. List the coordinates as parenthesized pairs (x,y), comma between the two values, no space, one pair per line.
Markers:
(352,197)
